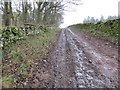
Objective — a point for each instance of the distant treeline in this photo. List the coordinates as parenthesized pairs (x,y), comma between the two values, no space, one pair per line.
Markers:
(95,20)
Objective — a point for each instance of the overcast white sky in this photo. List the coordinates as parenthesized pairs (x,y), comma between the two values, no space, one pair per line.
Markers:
(94,8)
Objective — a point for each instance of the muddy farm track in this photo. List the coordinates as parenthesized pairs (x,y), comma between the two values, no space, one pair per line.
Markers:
(74,63)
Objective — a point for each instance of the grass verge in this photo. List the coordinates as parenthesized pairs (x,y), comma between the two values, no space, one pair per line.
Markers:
(22,56)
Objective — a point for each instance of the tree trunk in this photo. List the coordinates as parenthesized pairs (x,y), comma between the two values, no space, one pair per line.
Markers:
(11,13)
(6,14)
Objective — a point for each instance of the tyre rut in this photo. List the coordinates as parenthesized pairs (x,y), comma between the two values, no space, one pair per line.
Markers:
(69,67)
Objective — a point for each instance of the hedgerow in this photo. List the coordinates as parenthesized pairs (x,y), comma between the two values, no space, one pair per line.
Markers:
(108,29)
